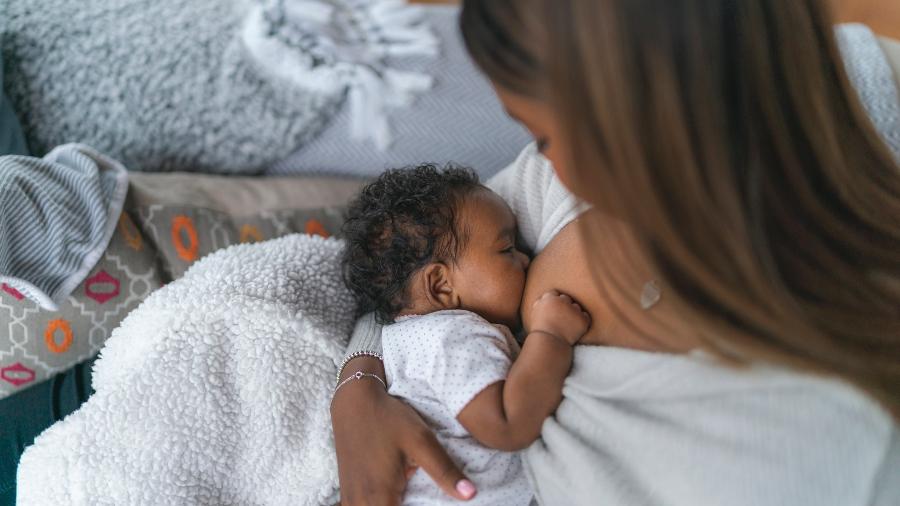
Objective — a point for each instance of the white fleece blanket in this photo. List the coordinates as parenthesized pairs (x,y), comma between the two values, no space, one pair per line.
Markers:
(214,391)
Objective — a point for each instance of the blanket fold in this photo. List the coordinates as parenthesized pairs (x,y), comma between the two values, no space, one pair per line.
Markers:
(57,215)
(214,391)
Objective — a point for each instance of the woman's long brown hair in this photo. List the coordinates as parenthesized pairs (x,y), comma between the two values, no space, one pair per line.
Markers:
(726,134)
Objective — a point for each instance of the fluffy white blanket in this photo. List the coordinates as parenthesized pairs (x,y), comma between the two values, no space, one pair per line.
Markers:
(214,391)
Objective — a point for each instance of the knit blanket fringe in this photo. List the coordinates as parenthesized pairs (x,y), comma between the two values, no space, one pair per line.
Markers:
(344,45)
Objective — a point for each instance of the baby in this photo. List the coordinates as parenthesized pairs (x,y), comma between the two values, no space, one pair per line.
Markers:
(433,253)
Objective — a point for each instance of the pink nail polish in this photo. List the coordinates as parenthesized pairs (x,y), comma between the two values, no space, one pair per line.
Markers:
(466,488)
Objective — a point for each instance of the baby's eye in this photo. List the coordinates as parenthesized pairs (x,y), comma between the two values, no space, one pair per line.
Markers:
(508,250)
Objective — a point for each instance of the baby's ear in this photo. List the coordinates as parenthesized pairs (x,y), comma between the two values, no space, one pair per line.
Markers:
(439,286)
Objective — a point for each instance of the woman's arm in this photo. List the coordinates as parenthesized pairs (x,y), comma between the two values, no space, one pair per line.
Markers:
(379,441)
(366,337)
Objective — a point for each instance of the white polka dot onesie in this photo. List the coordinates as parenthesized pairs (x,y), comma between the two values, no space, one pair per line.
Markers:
(437,363)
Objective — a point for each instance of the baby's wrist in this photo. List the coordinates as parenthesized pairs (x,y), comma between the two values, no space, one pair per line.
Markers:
(552,335)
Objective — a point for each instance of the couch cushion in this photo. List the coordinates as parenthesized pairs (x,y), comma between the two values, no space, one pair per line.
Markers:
(42,342)
(189,216)
(170,220)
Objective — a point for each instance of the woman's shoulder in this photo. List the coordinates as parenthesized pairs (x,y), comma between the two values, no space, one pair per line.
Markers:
(541,203)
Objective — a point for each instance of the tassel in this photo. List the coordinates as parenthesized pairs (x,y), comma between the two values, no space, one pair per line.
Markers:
(410,49)
(330,46)
(397,17)
(317,12)
(382,8)
(405,85)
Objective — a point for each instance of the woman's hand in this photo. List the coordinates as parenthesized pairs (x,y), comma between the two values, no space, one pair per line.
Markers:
(557,314)
(380,441)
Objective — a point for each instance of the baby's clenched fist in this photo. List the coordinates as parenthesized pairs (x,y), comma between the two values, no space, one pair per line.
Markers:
(556,313)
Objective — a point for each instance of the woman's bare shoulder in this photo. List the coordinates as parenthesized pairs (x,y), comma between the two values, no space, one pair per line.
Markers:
(565,265)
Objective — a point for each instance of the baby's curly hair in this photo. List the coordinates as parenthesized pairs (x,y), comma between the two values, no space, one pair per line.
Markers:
(396,225)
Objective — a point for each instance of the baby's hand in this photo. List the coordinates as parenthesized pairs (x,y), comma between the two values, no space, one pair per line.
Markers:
(556,313)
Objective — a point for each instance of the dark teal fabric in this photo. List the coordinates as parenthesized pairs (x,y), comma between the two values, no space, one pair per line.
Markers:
(12,142)
(26,414)
(23,416)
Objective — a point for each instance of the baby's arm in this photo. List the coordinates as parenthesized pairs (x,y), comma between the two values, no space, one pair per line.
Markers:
(508,414)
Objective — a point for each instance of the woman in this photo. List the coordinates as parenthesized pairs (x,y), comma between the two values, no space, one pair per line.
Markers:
(741,262)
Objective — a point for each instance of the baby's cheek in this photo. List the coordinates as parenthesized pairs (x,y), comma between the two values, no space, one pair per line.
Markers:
(506,296)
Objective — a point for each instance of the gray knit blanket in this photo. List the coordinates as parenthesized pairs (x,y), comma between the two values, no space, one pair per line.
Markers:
(202,85)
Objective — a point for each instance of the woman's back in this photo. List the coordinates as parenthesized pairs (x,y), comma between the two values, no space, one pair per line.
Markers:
(633,423)
(638,427)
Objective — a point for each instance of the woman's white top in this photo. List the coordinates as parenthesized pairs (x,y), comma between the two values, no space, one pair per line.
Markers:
(641,428)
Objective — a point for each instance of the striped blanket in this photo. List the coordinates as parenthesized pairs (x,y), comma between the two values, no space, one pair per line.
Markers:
(57,215)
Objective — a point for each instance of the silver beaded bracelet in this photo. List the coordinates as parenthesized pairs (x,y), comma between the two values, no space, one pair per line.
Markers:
(356,376)
(355,354)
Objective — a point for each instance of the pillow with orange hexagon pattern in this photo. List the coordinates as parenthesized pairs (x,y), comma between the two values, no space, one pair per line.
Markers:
(170,221)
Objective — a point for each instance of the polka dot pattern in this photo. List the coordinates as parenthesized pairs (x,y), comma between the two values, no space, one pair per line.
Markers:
(438,363)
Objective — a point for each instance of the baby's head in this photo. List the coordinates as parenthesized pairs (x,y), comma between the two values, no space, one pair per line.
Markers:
(423,239)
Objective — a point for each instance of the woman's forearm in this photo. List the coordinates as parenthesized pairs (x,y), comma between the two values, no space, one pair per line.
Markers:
(364,364)
(365,343)
(366,335)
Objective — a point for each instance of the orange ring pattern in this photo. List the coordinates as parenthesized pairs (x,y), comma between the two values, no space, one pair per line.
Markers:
(249,233)
(50,335)
(188,252)
(315,227)
(130,232)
